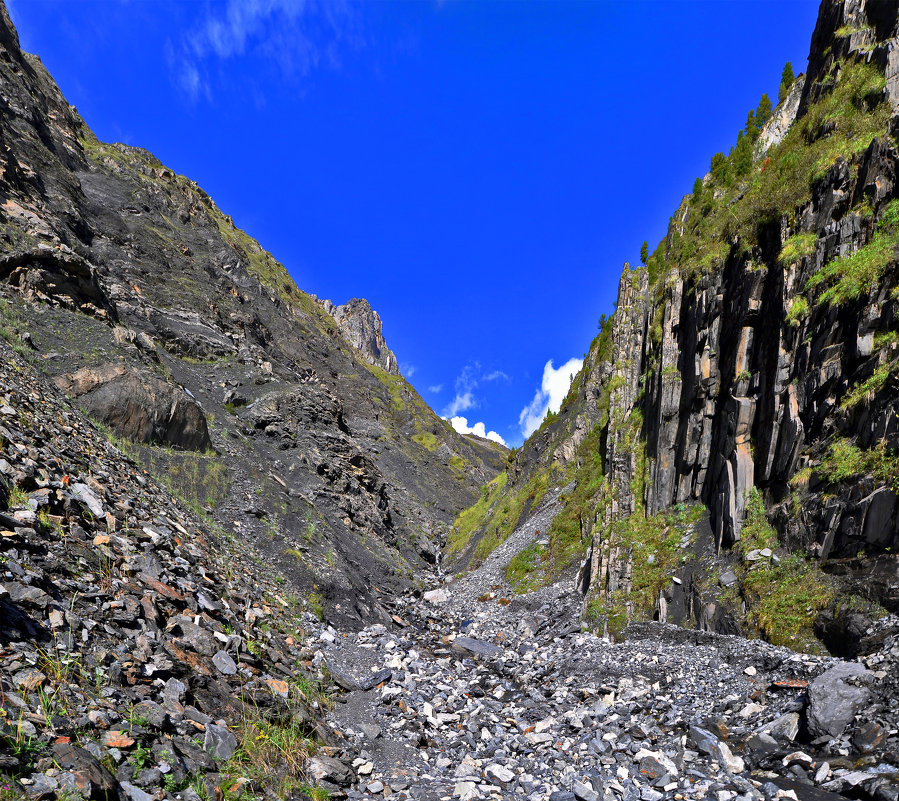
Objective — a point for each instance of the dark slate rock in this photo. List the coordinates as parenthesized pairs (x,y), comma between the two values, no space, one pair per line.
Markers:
(833,703)
(219,742)
(468,646)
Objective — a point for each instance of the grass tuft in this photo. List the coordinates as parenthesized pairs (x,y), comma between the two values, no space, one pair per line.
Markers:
(852,277)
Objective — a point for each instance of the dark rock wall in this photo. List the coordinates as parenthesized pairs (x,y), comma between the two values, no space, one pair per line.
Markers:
(705,387)
(737,397)
(112,263)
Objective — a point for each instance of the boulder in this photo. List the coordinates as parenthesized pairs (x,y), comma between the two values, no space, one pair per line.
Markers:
(91,778)
(468,646)
(833,702)
(219,742)
(139,406)
(325,768)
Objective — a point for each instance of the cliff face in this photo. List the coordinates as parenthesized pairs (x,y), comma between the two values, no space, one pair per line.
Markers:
(361,327)
(292,427)
(753,361)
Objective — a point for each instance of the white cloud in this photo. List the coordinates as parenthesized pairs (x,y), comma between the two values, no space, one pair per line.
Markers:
(496,375)
(549,397)
(408,370)
(460,403)
(294,36)
(435,389)
(466,382)
(460,424)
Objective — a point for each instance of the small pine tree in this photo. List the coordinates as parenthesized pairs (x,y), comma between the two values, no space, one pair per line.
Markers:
(787,79)
(719,168)
(751,128)
(763,112)
(741,153)
(697,189)
(644,252)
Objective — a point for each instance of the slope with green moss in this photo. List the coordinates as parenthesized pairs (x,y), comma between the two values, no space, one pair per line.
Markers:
(110,259)
(750,369)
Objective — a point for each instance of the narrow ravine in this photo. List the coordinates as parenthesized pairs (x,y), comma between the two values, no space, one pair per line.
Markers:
(510,698)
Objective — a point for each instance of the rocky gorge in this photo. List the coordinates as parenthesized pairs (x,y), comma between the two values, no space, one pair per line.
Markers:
(241,558)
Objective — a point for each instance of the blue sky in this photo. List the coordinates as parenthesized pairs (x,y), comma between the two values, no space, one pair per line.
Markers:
(478,171)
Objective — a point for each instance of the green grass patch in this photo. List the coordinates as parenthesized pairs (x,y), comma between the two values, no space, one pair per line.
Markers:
(395,385)
(847,30)
(797,247)
(506,513)
(867,388)
(316,604)
(654,546)
(781,597)
(757,532)
(571,529)
(200,481)
(842,123)
(784,599)
(851,277)
(524,571)
(798,311)
(885,339)
(427,440)
(844,460)
(474,517)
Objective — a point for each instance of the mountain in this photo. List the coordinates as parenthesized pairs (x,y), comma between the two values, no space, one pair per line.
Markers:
(223,509)
(729,450)
(282,418)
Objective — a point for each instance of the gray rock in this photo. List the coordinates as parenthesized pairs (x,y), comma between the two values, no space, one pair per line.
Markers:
(785,727)
(86,495)
(375,679)
(584,792)
(370,731)
(219,742)
(173,695)
(468,646)
(833,702)
(499,774)
(325,768)
(224,663)
(139,406)
(135,793)
(705,741)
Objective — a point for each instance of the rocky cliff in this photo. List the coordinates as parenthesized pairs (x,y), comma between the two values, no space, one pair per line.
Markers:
(361,326)
(730,446)
(285,422)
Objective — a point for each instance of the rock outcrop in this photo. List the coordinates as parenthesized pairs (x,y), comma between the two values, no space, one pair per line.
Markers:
(127,284)
(361,327)
(139,406)
(754,356)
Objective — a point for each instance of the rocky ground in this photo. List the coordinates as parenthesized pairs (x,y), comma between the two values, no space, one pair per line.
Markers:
(148,655)
(474,695)
(144,653)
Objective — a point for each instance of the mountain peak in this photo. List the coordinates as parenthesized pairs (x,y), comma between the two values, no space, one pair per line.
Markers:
(361,326)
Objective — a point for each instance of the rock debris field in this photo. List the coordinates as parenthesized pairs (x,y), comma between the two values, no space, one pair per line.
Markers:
(492,698)
(147,656)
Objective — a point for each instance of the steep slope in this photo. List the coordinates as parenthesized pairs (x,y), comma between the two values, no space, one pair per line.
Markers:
(747,379)
(142,647)
(128,285)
